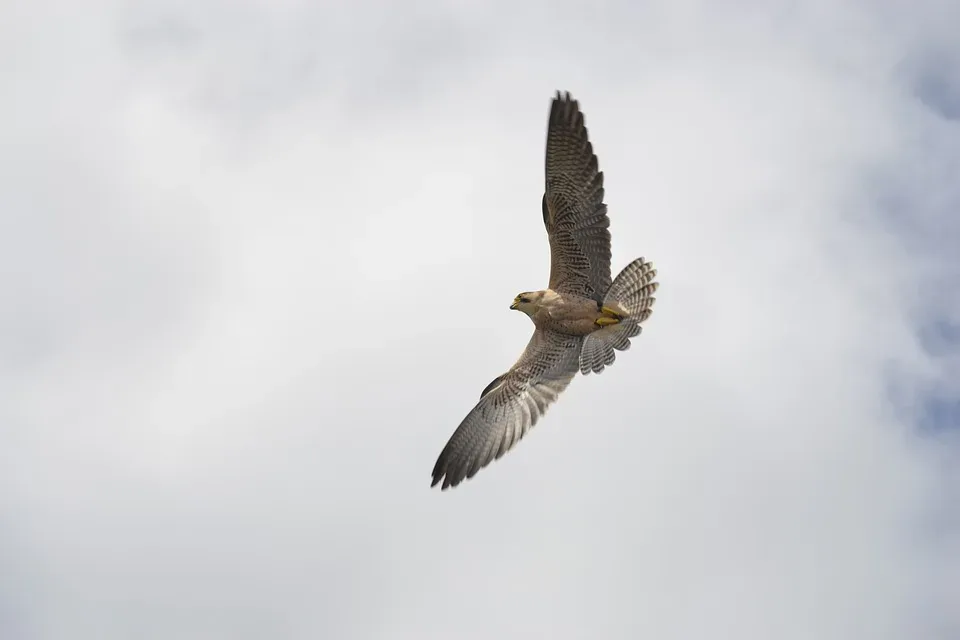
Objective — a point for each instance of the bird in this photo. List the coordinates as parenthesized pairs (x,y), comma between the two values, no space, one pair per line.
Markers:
(580,320)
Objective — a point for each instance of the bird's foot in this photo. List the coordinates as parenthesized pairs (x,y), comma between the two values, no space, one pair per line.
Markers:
(607,311)
(605,321)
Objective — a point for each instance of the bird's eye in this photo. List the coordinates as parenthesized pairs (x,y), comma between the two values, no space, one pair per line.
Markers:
(524,300)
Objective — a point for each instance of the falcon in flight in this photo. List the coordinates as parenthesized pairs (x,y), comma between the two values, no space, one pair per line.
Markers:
(580,320)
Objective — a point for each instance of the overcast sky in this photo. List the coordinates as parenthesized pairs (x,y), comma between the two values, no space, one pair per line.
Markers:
(255,264)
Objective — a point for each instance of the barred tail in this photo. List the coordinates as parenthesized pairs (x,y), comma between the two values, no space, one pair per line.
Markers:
(632,295)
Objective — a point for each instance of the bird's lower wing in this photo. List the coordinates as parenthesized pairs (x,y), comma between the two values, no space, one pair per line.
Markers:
(509,407)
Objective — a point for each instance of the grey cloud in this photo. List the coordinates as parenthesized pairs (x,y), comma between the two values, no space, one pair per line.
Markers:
(939,88)
(223,426)
(246,63)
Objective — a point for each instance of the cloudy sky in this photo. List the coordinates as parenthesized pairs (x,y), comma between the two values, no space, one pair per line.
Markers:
(255,263)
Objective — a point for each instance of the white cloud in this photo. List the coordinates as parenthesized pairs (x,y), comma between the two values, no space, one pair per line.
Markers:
(235,241)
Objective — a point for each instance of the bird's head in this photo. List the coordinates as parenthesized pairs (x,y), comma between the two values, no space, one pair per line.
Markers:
(528,302)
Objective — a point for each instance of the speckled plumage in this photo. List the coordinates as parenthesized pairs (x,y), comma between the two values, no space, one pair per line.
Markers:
(580,320)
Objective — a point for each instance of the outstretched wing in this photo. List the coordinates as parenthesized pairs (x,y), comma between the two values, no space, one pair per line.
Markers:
(509,407)
(573,209)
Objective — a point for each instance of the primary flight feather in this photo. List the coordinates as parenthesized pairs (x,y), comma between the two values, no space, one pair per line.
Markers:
(580,320)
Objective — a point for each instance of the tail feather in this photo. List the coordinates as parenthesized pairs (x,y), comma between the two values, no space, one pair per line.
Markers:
(632,291)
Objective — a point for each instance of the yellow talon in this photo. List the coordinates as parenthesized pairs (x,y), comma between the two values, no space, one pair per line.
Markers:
(603,322)
(611,312)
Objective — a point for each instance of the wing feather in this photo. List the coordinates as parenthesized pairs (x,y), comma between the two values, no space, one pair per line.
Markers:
(510,407)
(574,213)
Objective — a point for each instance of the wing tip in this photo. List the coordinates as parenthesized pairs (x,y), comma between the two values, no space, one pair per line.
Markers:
(436,480)
(447,483)
(442,471)
(437,477)
(566,109)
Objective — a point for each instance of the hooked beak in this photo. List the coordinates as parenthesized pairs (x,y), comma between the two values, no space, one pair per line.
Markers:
(515,305)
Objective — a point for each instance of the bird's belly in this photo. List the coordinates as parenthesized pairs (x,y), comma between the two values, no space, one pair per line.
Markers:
(578,320)
(579,327)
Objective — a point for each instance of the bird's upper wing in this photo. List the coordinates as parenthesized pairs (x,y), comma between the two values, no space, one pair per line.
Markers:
(573,209)
(510,406)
